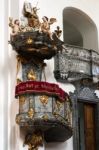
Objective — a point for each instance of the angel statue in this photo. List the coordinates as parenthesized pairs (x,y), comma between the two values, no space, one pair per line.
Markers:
(31,14)
(15,25)
(27,9)
(45,25)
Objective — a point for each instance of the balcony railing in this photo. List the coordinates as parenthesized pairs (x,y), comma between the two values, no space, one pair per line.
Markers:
(75,63)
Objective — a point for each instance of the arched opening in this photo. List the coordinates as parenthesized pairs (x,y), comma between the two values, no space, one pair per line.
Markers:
(79,29)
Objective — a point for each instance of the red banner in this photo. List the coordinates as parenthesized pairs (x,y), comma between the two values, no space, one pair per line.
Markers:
(37,87)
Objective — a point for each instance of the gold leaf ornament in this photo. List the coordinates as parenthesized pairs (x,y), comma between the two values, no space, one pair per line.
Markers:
(31,113)
(21,100)
(34,140)
(59,104)
(29,41)
(31,75)
(44,99)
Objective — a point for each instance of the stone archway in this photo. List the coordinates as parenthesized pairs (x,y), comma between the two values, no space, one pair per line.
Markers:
(79,29)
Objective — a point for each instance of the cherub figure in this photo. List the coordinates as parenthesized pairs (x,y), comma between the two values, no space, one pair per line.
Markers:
(45,25)
(23,24)
(15,25)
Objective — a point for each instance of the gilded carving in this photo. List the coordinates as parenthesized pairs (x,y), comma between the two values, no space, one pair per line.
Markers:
(59,104)
(68,111)
(18,118)
(31,75)
(45,117)
(29,41)
(21,100)
(44,99)
(34,140)
(20,60)
(31,113)
(18,81)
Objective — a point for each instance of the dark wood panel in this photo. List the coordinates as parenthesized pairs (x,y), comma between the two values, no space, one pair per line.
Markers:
(89,127)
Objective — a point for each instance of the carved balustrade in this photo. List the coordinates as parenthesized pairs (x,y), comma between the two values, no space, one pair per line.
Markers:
(75,63)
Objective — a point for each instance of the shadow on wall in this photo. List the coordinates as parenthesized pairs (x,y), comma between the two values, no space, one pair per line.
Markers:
(79,29)
(59,146)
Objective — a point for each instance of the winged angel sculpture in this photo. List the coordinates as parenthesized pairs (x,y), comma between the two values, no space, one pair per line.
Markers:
(31,22)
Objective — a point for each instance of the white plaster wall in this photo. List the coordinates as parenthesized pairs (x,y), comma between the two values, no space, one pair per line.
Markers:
(83,24)
(10,137)
(1,74)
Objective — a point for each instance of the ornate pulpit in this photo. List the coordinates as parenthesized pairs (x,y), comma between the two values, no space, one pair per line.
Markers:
(44,108)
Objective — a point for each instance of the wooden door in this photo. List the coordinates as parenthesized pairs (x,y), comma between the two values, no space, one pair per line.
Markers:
(89,121)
